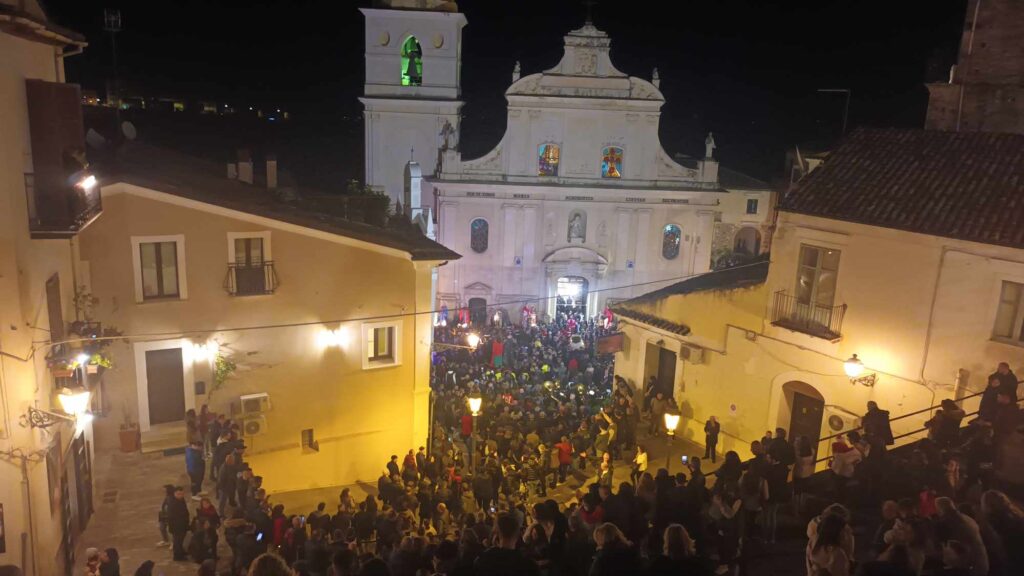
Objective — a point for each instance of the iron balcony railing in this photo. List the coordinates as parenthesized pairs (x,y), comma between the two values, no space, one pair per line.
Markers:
(59,210)
(810,318)
(251,279)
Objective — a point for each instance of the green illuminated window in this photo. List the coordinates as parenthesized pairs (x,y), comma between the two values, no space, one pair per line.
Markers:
(412,62)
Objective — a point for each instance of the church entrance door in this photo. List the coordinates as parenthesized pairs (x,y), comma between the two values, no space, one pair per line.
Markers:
(572,297)
(478,311)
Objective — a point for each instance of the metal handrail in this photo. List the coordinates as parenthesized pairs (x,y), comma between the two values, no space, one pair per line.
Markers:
(902,416)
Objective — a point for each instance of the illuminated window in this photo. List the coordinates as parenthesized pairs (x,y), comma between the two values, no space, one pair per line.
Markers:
(412,62)
(478,230)
(1010,313)
(547,160)
(611,162)
(670,238)
(816,275)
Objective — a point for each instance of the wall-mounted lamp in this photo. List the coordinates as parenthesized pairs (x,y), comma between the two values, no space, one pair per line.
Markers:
(473,339)
(74,403)
(854,369)
(328,338)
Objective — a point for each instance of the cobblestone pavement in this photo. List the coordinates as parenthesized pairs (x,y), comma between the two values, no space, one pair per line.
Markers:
(129,492)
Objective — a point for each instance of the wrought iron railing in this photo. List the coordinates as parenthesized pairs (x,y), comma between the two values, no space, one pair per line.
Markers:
(251,279)
(807,317)
(59,210)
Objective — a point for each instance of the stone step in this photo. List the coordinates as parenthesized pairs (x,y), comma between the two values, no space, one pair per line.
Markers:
(163,438)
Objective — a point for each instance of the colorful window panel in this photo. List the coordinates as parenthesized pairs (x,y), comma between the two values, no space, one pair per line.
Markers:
(478,231)
(670,238)
(547,160)
(611,162)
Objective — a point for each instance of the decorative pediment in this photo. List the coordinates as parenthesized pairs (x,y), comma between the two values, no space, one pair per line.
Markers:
(575,254)
(478,288)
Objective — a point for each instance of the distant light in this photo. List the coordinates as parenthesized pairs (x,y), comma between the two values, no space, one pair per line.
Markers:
(473,340)
(87,183)
(250,108)
(82,359)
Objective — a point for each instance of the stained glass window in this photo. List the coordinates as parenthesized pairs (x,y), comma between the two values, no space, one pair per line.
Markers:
(412,62)
(478,235)
(611,162)
(670,238)
(547,159)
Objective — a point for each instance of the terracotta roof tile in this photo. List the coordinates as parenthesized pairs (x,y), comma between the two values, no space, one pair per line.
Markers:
(964,185)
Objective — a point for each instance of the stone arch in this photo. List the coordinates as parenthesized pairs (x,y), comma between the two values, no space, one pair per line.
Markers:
(411,71)
(801,411)
(747,241)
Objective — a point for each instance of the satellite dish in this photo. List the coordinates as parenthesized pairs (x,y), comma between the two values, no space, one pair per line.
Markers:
(94,139)
(128,129)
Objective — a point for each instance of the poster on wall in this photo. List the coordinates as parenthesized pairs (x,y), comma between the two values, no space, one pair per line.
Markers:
(53,468)
(3,532)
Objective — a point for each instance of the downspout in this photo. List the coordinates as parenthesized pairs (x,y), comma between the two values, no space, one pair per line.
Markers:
(59,55)
(967,63)
(28,514)
(931,321)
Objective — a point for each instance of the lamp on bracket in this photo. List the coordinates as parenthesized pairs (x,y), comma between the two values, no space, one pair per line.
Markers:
(854,369)
(74,403)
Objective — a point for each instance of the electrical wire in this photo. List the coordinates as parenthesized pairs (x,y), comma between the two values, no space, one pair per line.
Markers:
(143,335)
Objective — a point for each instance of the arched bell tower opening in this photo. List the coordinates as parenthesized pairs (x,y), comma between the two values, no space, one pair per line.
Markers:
(412,62)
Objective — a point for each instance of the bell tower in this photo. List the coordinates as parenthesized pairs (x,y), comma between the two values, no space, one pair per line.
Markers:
(411,94)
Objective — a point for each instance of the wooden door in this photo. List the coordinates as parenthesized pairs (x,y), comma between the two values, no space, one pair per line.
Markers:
(667,371)
(806,418)
(165,383)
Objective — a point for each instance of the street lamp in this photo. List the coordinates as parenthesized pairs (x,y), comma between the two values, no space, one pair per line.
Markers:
(74,404)
(473,339)
(671,423)
(854,368)
(474,409)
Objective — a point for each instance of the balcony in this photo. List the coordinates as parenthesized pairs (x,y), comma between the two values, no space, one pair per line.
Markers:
(812,319)
(251,279)
(60,210)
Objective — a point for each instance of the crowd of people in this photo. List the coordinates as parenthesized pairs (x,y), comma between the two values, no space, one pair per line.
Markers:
(551,476)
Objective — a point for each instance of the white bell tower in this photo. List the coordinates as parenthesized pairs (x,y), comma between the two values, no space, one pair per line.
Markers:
(411,95)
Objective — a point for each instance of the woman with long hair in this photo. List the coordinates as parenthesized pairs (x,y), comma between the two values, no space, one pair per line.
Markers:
(729,473)
(639,464)
(678,555)
(615,554)
(826,553)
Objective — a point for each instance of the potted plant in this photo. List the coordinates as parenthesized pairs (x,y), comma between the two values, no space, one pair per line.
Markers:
(131,438)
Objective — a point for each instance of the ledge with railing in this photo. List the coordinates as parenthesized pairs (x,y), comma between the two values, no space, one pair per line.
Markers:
(807,317)
(251,279)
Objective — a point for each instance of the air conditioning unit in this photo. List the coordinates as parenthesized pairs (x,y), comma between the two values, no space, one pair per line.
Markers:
(692,354)
(254,403)
(254,425)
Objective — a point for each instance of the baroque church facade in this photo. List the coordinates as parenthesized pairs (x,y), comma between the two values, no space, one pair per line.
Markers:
(578,206)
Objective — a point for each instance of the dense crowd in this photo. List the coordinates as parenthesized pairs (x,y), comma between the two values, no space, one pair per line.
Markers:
(554,417)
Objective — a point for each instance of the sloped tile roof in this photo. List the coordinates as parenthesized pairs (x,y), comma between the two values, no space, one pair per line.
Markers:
(964,185)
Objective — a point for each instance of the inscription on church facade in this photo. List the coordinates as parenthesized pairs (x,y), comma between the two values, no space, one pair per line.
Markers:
(580,198)
(480,194)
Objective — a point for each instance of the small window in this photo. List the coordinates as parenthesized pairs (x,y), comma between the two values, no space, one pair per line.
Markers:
(611,162)
(308,442)
(751,205)
(478,231)
(159,263)
(670,238)
(547,160)
(817,272)
(381,344)
(412,62)
(1009,324)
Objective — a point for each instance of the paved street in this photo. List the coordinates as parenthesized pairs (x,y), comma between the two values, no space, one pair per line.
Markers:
(129,492)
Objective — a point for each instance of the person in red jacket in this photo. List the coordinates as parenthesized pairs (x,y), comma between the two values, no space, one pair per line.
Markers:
(564,457)
(280,525)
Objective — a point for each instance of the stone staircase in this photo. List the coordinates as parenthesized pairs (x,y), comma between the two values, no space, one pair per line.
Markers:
(164,438)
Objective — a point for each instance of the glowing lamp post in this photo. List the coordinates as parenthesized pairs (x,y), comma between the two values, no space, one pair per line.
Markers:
(854,369)
(474,409)
(473,339)
(74,403)
(671,423)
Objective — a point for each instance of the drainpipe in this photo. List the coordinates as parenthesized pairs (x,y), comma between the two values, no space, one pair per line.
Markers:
(970,51)
(28,514)
(931,321)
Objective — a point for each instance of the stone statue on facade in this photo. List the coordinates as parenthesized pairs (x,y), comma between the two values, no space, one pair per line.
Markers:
(709,146)
(516,71)
(656,79)
(577,228)
(447,136)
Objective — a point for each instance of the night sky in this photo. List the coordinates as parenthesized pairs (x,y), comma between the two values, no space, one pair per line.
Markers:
(747,70)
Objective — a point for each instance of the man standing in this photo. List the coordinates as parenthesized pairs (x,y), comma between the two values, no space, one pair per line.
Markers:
(1007,380)
(504,558)
(195,466)
(877,430)
(659,405)
(564,458)
(711,430)
(178,522)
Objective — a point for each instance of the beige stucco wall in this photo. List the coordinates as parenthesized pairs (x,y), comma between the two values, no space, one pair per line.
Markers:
(889,281)
(359,416)
(25,266)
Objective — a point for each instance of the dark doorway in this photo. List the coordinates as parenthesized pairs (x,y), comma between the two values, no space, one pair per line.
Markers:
(806,417)
(478,311)
(165,382)
(83,479)
(667,371)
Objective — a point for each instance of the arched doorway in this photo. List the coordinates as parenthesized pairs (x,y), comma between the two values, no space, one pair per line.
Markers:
(747,241)
(571,298)
(478,311)
(806,408)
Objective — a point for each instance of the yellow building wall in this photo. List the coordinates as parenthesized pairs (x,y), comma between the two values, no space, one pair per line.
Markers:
(359,416)
(25,267)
